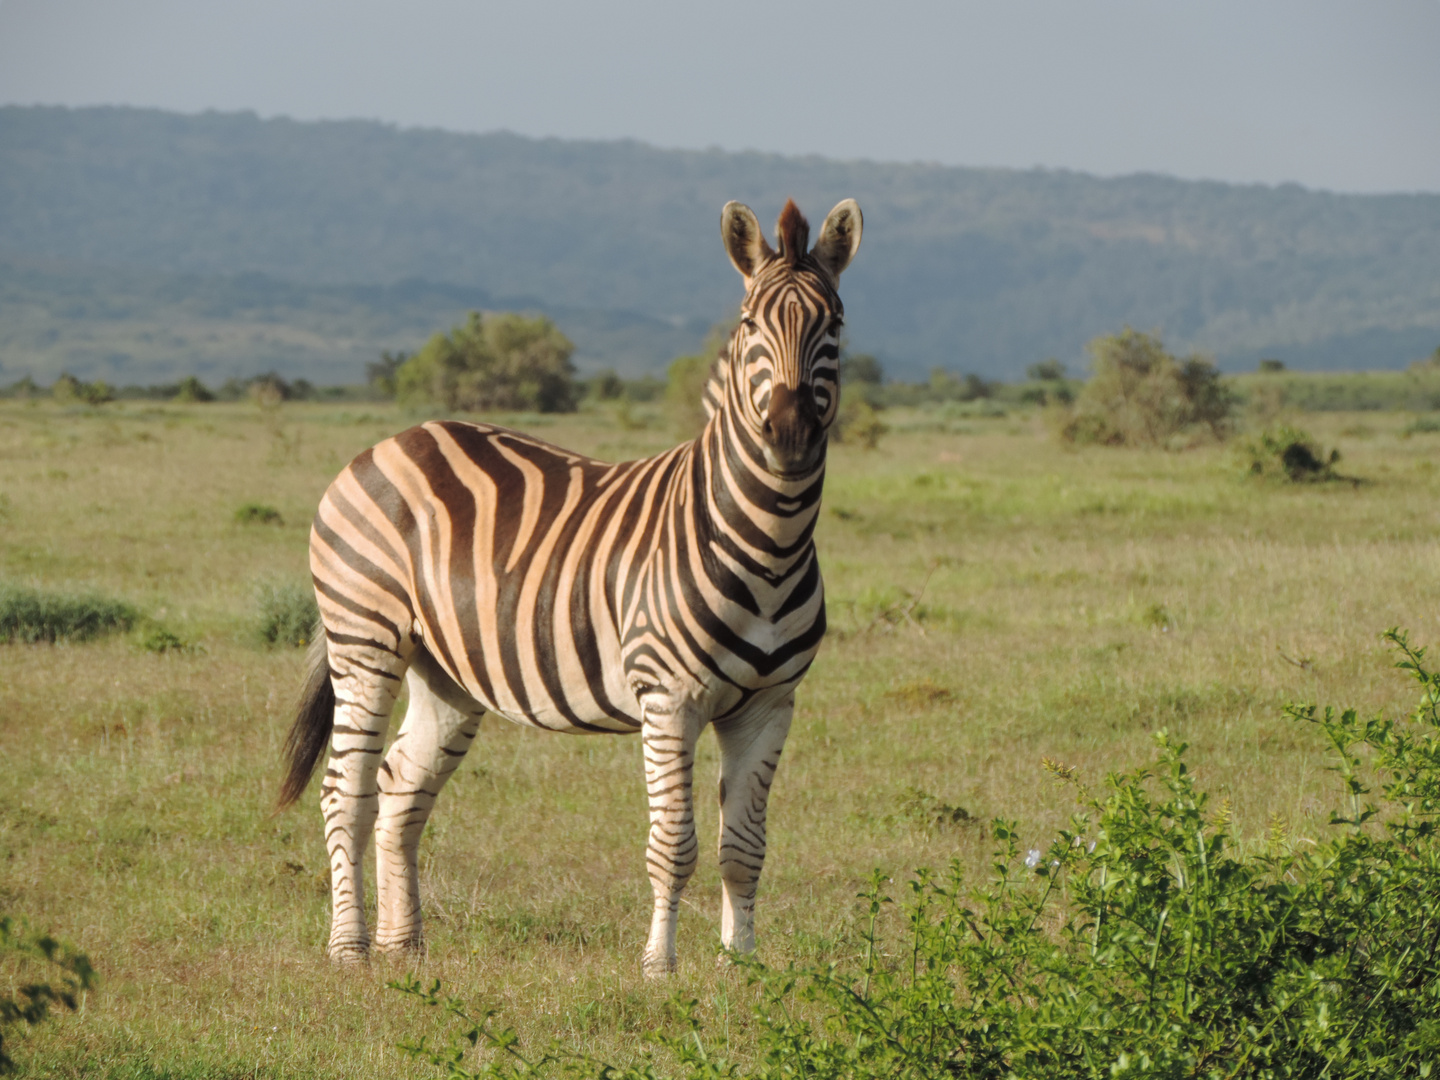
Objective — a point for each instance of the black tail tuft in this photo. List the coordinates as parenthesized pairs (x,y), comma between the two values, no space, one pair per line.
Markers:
(310,733)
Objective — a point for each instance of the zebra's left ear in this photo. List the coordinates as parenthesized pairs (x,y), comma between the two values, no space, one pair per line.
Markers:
(839,239)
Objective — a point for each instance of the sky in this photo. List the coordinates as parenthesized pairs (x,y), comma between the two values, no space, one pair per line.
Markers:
(1342,96)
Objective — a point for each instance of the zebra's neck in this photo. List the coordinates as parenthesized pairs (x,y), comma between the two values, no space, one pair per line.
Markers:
(760,524)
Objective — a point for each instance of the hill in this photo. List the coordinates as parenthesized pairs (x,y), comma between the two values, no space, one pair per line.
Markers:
(365,236)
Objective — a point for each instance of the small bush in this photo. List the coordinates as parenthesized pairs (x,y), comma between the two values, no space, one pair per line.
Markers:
(685,383)
(68,388)
(1050,370)
(254,513)
(161,640)
(287,614)
(31,616)
(1289,454)
(1140,395)
(858,424)
(191,389)
(1421,425)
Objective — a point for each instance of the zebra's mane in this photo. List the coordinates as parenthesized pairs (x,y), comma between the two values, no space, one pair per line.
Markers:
(793,233)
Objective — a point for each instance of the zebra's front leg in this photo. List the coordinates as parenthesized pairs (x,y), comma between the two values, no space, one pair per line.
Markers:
(440,723)
(366,684)
(750,749)
(669,740)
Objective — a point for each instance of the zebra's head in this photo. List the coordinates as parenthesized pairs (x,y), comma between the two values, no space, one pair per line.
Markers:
(781,376)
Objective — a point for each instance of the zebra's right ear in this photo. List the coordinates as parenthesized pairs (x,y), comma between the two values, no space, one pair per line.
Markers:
(744,242)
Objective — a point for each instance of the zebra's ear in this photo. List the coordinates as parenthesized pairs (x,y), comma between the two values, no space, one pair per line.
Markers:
(839,239)
(744,242)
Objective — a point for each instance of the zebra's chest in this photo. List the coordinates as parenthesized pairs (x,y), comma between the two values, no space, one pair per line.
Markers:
(720,644)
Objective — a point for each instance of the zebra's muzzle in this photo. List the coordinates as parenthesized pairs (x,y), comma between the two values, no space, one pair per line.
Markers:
(793,433)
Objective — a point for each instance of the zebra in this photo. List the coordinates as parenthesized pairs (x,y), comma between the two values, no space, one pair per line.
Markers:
(492,572)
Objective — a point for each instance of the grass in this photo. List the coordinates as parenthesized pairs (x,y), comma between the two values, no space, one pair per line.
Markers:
(995,600)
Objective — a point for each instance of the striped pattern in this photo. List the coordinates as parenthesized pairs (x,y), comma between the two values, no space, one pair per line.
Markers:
(496,572)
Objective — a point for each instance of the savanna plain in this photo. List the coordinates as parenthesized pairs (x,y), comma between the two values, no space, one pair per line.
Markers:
(995,599)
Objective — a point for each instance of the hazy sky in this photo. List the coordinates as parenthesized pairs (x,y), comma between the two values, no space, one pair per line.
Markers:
(1334,95)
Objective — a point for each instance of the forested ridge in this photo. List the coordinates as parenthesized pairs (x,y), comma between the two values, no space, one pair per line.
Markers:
(132,239)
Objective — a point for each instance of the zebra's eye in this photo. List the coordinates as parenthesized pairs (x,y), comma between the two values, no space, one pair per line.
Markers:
(836,324)
(748,321)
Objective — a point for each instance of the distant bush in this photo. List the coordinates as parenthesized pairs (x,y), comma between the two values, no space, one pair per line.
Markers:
(685,393)
(68,388)
(69,974)
(858,424)
(605,386)
(1421,425)
(1140,395)
(944,386)
(1287,453)
(862,378)
(22,389)
(31,616)
(287,614)
(381,375)
(191,388)
(254,513)
(504,361)
(1051,370)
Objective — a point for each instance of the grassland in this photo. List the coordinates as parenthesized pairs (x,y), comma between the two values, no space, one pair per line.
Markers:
(995,600)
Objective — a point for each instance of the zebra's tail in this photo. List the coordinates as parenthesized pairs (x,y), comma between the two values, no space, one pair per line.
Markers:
(310,733)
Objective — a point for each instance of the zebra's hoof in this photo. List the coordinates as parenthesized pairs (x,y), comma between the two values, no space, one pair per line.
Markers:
(658,967)
(411,946)
(350,955)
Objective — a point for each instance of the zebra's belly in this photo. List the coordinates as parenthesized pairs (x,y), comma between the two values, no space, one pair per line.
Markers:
(556,684)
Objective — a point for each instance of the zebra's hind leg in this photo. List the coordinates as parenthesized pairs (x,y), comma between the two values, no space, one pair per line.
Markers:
(366,679)
(750,749)
(669,740)
(440,723)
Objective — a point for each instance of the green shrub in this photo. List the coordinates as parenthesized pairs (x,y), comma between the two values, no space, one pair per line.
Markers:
(30,1003)
(504,361)
(1421,425)
(254,513)
(287,614)
(1140,395)
(1289,454)
(30,616)
(68,389)
(862,378)
(192,389)
(1147,940)
(685,382)
(162,640)
(858,424)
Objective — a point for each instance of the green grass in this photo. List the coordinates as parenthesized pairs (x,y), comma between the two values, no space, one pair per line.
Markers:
(995,599)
